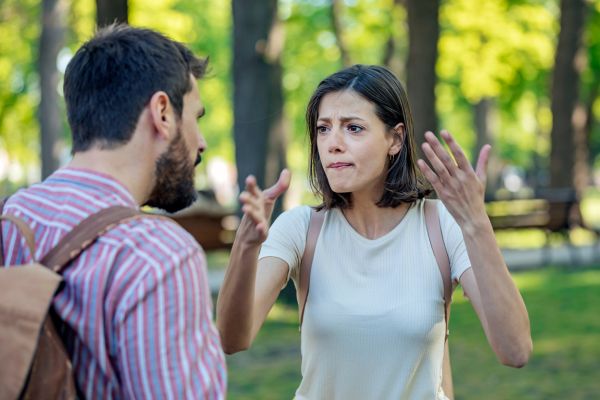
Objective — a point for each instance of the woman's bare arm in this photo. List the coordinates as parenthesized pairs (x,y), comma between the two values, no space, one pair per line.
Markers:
(488,283)
(250,287)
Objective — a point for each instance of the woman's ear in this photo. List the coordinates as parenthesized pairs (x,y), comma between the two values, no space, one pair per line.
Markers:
(398,133)
(160,113)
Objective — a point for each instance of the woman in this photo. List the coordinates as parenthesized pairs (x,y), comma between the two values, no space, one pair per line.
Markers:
(373,326)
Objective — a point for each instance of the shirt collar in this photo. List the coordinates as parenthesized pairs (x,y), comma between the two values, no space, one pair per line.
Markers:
(98,181)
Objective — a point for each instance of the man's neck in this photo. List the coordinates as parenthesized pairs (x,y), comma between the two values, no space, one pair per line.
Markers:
(122,166)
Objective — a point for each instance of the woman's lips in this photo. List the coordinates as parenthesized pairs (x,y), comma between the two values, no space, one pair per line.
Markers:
(339,165)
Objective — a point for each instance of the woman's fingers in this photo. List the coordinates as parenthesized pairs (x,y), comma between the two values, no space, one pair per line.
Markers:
(253,212)
(252,186)
(437,165)
(252,200)
(282,184)
(459,156)
(257,204)
(482,163)
(445,161)
(453,175)
(429,175)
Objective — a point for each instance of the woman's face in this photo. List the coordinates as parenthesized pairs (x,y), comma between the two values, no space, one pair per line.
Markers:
(354,144)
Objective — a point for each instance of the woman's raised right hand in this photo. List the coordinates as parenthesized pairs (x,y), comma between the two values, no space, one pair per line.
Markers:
(257,206)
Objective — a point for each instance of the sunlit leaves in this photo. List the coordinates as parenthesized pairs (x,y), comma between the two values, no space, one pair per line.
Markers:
(19,97)
(488,44)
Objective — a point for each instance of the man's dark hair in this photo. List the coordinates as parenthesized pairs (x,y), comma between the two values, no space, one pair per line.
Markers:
(378,85)
(112,77)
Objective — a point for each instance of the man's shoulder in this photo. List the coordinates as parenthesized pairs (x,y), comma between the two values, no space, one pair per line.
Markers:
(153,249)
(154,232)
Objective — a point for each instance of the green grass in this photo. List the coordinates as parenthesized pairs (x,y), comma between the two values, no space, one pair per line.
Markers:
(217,259)
(564,309)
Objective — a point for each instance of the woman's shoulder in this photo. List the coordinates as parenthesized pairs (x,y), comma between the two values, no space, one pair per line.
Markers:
(296,216)
(301,211)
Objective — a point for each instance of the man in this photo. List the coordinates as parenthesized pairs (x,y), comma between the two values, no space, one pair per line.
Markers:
(136,304)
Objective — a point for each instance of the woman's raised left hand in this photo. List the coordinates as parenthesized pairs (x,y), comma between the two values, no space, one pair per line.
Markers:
(460,188)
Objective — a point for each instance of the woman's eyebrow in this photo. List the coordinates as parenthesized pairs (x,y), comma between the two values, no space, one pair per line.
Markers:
(343,119)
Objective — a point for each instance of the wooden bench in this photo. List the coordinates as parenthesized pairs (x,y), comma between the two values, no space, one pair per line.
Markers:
(551,210)
(212,231)
(209,223)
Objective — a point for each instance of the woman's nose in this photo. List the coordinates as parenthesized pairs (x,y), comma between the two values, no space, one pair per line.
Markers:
(336,141)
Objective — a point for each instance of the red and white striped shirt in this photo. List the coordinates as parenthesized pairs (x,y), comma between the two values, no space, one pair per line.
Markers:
(137,301)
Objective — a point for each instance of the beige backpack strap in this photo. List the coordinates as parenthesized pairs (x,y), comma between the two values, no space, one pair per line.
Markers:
(434,231)
(84,234)
(312,234)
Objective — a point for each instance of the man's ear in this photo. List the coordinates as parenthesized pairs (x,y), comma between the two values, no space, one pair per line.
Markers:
(398,133)
(161,113)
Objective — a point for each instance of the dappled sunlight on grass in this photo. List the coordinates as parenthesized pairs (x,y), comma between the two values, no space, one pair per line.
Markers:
(270,369)
(283,313)
(565,324)
(529,280)
(577,343)
(556,277)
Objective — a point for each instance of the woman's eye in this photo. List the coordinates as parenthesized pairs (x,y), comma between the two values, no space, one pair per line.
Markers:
(321,129)
(355,128)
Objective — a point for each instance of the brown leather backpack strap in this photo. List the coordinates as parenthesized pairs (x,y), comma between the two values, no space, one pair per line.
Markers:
(434,231)
(312,234)
(84,234)
(23,228)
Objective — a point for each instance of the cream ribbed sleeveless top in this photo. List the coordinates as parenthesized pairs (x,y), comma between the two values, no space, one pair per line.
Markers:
(374,320)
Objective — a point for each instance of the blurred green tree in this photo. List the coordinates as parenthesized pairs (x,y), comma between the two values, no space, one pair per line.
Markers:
(493,71)
(19,93)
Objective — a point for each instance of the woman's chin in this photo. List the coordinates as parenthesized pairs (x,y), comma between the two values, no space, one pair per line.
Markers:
(341,189)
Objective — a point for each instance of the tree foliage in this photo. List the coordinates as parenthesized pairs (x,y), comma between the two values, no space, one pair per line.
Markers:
(501,50)
(19,92)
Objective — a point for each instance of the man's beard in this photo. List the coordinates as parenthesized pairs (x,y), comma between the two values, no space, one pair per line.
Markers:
(174,189)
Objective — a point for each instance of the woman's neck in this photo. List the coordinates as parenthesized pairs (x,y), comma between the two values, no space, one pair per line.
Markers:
(372,221)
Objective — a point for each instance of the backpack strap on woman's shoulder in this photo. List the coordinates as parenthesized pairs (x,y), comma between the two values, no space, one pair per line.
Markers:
(434,231)
(312,234)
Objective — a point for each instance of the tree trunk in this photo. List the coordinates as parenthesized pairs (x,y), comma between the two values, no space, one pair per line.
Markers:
(51,41)
(565,93)
(258,95)
(484,130)
(109,11)
(336,15)
(481,112)
(423,33)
